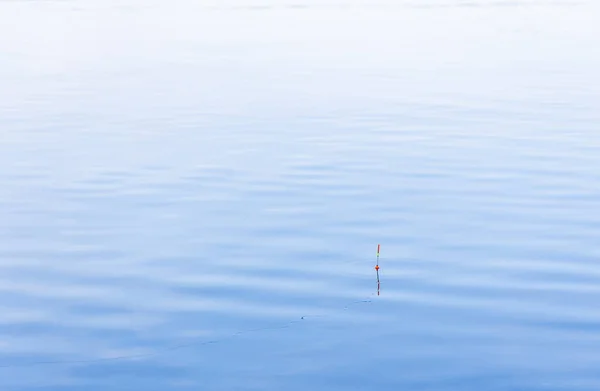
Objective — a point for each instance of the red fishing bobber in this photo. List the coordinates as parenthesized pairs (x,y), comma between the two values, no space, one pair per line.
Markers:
(377,267)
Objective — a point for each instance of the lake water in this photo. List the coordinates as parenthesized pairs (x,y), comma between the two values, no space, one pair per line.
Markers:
(192,194)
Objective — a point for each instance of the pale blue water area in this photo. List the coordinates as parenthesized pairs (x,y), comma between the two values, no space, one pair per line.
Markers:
(192,194)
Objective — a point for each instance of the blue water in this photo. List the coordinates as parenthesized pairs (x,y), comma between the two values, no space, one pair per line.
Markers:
(192,194)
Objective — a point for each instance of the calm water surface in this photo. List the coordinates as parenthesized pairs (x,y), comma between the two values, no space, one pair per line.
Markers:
(191,195)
